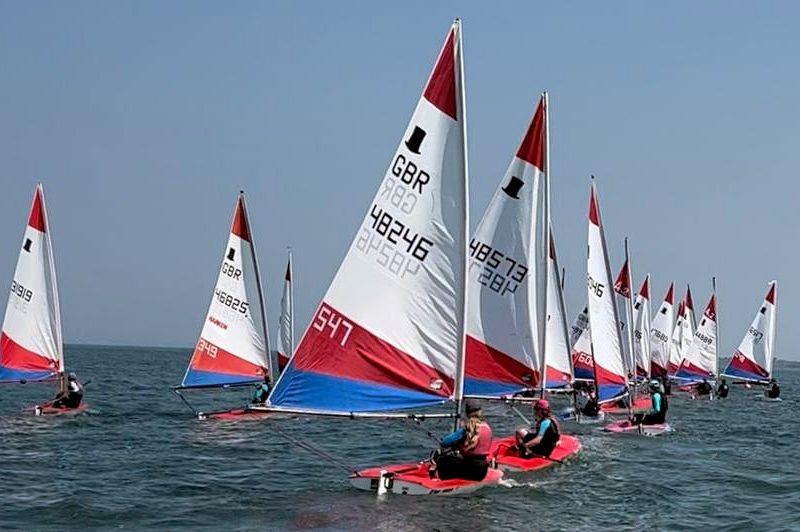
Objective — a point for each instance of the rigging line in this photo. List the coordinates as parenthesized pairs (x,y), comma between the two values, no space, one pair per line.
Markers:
(187,403)
(520,414)
(417,424)
(315,450)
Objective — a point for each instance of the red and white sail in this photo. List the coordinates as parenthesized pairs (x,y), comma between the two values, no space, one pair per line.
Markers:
(285,339)
(581,342)
(754,358)
(232,348)
(502,325)
(700,361)
(641,331)
(661,336)
(557,352)
(677,341)
(389,331)
(623,290)
(31,347)
(609,365)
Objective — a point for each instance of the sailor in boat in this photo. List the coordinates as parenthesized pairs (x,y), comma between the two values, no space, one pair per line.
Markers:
(541,439)
(658,412)
(590,408)
(774,390)
(465,452)
(722,389)
(704,388)
(70,395)
(261,393)
(666,386)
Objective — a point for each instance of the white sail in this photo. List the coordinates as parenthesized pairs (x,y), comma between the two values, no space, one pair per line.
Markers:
(701,356)
(754,358)
(622,289)
(641,331)
(557,350)
(502,350)
(661,335)
(389,332)
(609,365)
(31,347)
(285,339)
(579,326)
(677,342)
(232,348)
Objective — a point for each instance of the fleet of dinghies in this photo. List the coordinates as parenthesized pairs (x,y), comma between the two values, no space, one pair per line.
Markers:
(420,316)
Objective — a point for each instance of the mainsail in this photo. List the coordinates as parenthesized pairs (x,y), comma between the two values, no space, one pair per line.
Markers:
(609,366)
(581,341)
(558,360)
(753,360)
(232,348)
(676,342)
(502,339)
(622,289)
(661,335)
(285,340)
(31,347)
(701,357)
(641,331)
(389,332)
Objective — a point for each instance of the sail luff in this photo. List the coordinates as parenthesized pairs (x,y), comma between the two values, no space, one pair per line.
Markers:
(53,284)
(461,105)
(545,252)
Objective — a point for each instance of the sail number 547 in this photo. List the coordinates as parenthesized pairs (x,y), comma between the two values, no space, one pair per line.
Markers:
(337,326)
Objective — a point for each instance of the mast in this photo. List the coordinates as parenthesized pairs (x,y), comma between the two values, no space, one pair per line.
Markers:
(291,303)
(257,272)
(459,376)
(716,306)
(774,326)
(54,291)
(631,325)
(545,243)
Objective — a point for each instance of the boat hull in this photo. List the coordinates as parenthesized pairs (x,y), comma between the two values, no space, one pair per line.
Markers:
(626,427)
(235,414)
(507,458)
(413,479)
(762,397)
(642,403)
(47,409)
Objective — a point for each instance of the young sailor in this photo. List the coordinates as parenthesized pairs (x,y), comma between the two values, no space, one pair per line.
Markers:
(544,436)
(704,388)
(465,452)
(261,393)
(590,408)
(774,390)
(71,396)
(722,389)
(658,414)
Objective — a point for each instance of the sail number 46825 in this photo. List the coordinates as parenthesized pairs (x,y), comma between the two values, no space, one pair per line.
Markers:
(337,326)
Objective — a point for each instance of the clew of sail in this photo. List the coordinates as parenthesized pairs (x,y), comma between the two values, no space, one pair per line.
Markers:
(31,347)
(661,336)
(285,339)
(701,356)
(609,365)
(641,336)
(502,349)
(753,360)
(558,371)
(388,333)
(232,348)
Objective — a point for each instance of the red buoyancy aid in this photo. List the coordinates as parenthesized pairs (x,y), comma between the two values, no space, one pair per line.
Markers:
(484,444)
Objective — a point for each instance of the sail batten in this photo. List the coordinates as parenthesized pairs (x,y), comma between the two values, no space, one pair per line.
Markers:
(388,334)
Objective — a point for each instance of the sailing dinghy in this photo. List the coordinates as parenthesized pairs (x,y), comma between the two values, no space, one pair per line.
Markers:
(232,348)
(701,357)
(582,361)
(641,331)
(753,360)
(660,337)
(389,333)
(31,346)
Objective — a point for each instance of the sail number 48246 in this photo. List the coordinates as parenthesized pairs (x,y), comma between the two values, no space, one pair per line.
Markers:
(337,326)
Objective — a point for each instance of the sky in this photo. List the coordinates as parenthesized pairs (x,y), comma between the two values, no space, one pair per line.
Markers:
(144,120)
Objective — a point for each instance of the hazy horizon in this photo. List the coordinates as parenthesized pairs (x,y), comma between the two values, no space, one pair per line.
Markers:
(144,120)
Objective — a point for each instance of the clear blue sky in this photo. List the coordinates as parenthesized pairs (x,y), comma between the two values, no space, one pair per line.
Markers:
(144,119)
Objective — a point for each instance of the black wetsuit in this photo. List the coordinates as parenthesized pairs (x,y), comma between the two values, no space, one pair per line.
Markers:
(549,439)
(722,390)
(774,391)
(591,408)
(704,388)
(659,414)
(71,398)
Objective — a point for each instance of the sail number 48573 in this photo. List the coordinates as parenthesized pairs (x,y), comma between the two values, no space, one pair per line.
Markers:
(336,325)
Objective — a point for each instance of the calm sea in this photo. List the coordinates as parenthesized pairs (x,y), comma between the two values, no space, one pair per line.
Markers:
(138,460)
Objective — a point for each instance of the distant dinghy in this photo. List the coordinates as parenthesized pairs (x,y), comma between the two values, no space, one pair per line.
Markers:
(754,358)
(285,340)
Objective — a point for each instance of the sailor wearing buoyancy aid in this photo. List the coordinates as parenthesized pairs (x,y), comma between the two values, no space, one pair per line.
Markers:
(466,450)
(545,434)
(660,405)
